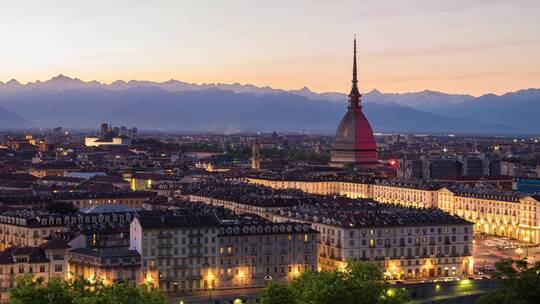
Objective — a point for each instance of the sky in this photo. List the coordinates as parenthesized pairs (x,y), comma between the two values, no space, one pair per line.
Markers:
(455,46)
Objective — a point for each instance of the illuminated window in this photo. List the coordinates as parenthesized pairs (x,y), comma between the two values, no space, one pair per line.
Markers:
(371,243)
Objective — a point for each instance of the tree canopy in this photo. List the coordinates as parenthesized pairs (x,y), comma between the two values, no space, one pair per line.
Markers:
(519,283)
(358,283)
(30,290)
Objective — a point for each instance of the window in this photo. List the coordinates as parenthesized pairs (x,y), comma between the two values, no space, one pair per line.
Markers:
(58,257)
(58,268)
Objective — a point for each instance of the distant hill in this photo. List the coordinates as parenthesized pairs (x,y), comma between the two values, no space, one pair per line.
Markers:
(176,105)
(216,110)
(521,108)
(10,120)
(424,101)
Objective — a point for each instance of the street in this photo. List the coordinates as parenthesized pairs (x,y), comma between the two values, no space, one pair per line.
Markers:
(488,250)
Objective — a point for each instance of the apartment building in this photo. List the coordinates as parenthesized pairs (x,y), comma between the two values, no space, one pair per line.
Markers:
(108,265)
(27,227)
(508,214)
(132,199)
(322,186)
(418,195)
(177,251)
(189,253)
(47,260)
(251,255)
(494,212)
(405,242)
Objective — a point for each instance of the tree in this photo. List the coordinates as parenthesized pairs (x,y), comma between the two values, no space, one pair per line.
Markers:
(358,282)
(58,291)
(366,282)
(276,293)
(321,287)
(30,290)
(519,283)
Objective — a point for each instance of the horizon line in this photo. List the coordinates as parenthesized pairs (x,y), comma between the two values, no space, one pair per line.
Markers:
(39,81)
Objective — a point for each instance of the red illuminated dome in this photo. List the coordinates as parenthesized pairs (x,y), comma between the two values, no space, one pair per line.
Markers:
(354,142)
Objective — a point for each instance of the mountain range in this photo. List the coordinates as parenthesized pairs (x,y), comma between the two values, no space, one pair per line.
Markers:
(176,105)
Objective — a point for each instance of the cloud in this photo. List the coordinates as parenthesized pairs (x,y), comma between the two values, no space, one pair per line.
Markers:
(448,50)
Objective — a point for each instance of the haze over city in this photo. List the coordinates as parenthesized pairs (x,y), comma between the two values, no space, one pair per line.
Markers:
(472,47)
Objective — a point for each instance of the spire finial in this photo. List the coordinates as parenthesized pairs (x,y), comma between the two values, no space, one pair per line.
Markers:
(354,96)
(355,80)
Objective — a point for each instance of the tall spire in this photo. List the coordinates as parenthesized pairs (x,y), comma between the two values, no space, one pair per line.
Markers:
(354,96)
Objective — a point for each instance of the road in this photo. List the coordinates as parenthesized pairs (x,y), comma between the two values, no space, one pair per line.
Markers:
(487,254)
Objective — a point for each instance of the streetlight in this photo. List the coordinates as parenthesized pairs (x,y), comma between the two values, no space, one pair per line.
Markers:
(519,251)
(210,279)
(526,239)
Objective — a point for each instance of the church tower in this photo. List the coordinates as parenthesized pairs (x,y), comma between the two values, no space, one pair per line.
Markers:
(255,156)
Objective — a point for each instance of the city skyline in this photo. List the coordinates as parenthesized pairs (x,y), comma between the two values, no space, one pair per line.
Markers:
(472,47)
(234,151)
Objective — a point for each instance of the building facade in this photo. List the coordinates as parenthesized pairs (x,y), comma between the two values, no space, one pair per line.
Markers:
(421,245)
(494,212)
(199,253)
(46,261)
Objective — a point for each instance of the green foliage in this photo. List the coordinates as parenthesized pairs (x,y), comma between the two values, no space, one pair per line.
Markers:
(27,291)
(289,154)
(200,147)
(32,290)
(519,283)
(240,153)
(275,293)
(308,155)
(359,282)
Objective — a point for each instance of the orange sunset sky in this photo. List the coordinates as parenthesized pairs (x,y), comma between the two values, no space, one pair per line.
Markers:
(456,46)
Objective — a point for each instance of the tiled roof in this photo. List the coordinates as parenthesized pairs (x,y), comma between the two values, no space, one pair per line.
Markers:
(34,254)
